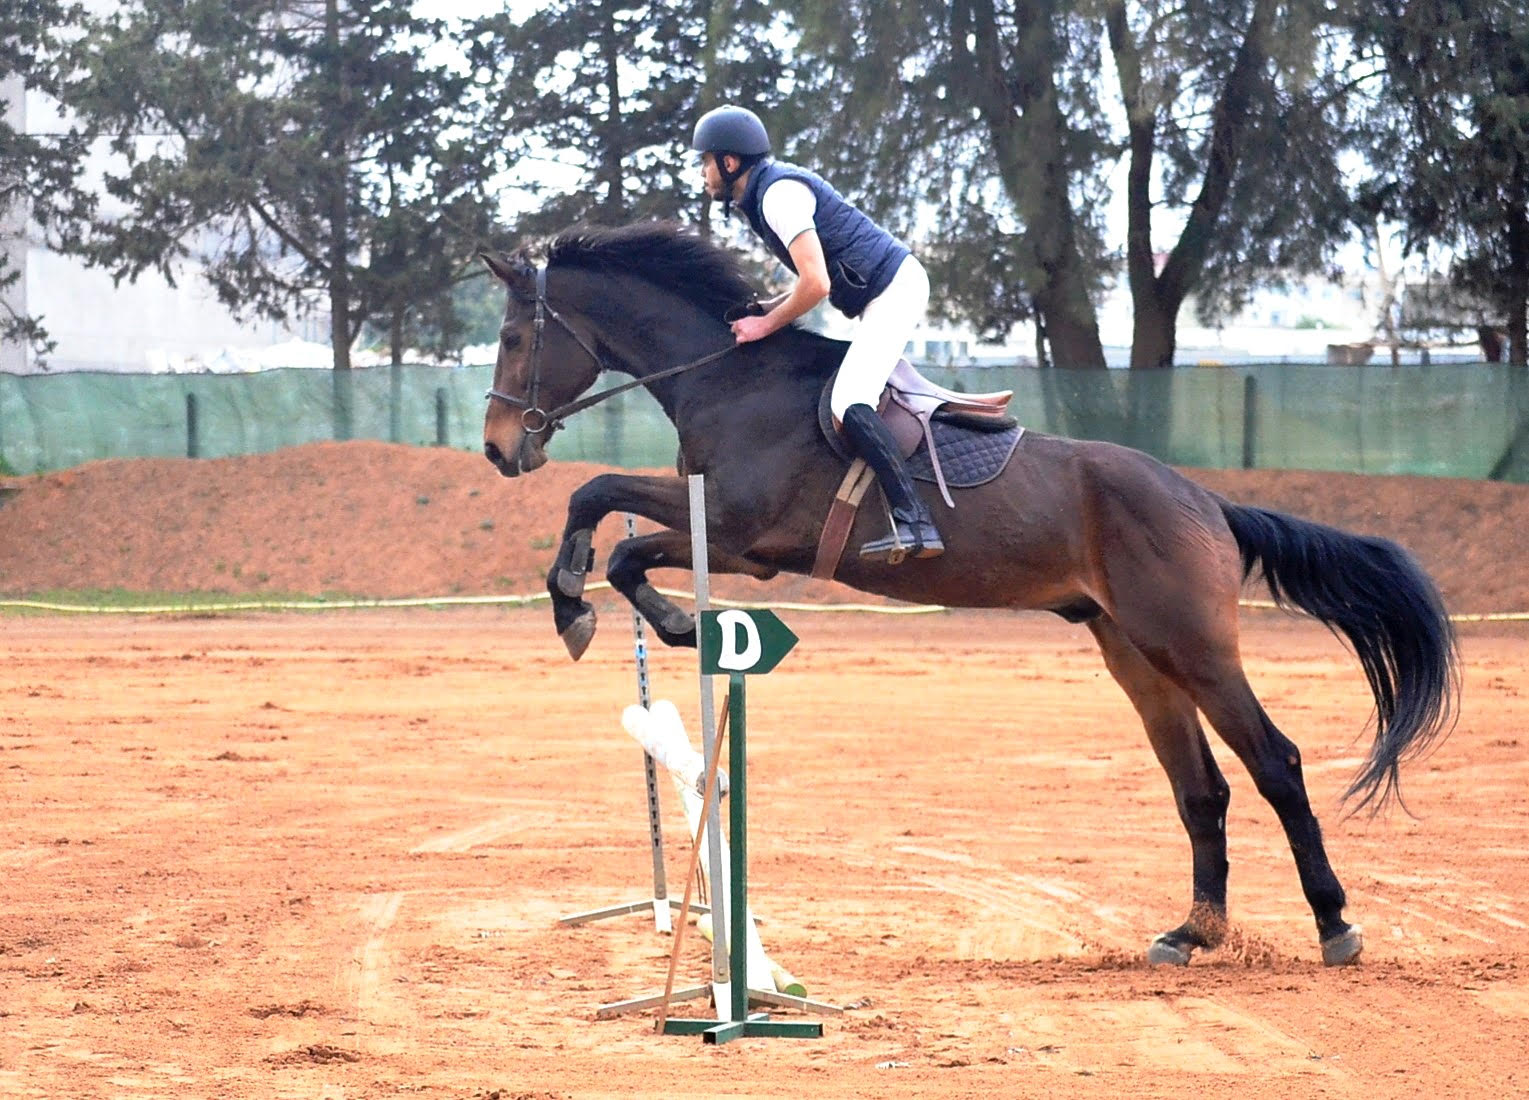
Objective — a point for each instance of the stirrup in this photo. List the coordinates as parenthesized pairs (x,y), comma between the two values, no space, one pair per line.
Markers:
(918,539)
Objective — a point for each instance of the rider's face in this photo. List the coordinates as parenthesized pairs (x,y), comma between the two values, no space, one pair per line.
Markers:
(711,174)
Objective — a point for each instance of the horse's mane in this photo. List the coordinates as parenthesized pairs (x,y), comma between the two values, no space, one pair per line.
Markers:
(666,254)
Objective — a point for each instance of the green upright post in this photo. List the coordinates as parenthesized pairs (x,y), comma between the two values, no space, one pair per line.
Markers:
(1249,421)
(738,841)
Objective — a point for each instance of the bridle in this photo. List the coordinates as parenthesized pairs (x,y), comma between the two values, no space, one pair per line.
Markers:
(533,418)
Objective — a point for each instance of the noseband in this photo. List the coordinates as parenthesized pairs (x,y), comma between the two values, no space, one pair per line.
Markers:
(533,418)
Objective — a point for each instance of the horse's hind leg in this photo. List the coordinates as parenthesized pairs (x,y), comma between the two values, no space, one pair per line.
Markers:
(1196,646)
(1275,765)
(628,568)
(1199,789)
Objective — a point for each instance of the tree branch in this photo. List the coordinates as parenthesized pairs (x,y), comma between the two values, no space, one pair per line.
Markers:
(1187,259)
(287,238)
(1141,127)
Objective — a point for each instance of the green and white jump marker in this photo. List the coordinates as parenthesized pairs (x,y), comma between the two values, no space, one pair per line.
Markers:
(740,643)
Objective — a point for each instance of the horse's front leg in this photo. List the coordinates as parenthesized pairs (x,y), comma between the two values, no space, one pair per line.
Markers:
(666,500)
(628,573)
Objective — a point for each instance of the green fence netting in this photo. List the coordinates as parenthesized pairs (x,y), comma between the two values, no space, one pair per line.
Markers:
(1458,420)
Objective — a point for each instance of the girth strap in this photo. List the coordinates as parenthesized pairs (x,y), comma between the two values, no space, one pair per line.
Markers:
(841,518)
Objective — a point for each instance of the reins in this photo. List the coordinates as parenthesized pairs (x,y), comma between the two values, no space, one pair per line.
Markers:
(533,417)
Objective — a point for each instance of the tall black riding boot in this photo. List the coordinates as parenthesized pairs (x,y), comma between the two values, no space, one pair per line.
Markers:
(913,530)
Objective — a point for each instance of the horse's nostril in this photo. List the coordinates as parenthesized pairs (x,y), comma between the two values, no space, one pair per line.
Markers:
(491,452)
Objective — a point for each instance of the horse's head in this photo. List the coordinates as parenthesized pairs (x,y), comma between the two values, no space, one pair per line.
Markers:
(543,363)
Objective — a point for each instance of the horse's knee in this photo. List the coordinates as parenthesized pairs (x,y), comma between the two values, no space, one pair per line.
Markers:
(624,568)
(592,501)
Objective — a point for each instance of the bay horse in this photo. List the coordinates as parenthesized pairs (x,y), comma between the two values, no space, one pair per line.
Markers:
(1150,562)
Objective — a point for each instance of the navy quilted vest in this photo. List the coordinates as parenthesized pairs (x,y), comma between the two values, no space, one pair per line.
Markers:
(862,257)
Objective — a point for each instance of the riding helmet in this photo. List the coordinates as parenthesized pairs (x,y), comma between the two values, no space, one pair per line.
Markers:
(735,130)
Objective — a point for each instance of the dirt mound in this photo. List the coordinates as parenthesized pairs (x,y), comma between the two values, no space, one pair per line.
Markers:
(384,520)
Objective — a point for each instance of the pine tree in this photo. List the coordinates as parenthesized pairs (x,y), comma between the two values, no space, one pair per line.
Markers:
(305,151)
(994,118)
(599,98)
(989,117)
(1449,147)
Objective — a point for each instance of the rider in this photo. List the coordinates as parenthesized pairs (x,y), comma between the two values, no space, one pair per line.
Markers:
(837,253)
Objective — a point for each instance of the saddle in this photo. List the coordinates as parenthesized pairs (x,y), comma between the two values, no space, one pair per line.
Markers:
(911,404)
(972,432)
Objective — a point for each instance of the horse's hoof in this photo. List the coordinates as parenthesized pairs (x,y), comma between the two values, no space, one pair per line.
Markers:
(579,634)
(1164,952)
(1343,948)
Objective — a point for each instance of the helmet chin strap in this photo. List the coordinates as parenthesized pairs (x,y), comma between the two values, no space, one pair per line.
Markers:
(728,179)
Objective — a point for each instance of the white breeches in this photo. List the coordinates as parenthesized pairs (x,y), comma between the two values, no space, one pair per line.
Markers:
(881,335)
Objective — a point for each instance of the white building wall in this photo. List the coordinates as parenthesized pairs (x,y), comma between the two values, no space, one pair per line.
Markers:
(99,326)
(13,243)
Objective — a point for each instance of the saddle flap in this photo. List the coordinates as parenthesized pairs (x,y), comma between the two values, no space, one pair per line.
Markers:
(974,431)
(906,429)
(919,393)
(909,417)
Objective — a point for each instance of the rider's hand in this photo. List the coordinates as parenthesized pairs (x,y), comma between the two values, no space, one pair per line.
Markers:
(749,329)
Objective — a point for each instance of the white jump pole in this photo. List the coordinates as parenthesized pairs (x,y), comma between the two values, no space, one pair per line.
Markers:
(719,988)
(700,564)
(660,903)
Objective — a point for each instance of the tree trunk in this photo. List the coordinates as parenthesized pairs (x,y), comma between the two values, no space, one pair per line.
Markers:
(1156,297)
(395,338)
(718,24)
(1072,328)
(1517,310)
(611,168)
(1518,333)
(339,234)
(1030,140)
(339,338)
(1154,332)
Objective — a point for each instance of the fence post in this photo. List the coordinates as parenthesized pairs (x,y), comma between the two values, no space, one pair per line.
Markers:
(440,416)
(193,442)
(395,403)
(344,404)
(1249,420)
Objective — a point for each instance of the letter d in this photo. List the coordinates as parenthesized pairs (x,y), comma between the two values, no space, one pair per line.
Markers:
(736,658)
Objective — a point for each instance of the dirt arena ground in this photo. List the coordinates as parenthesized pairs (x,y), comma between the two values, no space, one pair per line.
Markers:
(324,855)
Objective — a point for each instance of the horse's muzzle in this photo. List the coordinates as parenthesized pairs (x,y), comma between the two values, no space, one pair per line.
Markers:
(527,457)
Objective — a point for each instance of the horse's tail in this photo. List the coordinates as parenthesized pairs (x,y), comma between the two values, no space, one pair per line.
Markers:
(1381,600)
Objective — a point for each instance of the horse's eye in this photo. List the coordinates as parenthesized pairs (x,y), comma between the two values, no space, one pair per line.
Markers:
(509,337)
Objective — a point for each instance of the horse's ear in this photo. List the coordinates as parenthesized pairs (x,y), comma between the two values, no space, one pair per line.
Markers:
(500,264)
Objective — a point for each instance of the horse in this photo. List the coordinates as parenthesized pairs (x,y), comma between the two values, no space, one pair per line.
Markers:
(1151,563)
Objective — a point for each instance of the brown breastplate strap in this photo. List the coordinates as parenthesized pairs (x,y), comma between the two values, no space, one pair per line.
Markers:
(841,517)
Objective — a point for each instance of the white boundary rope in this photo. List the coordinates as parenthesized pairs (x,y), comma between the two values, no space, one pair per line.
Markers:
(427,601)
(1485,617)
(523,601)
